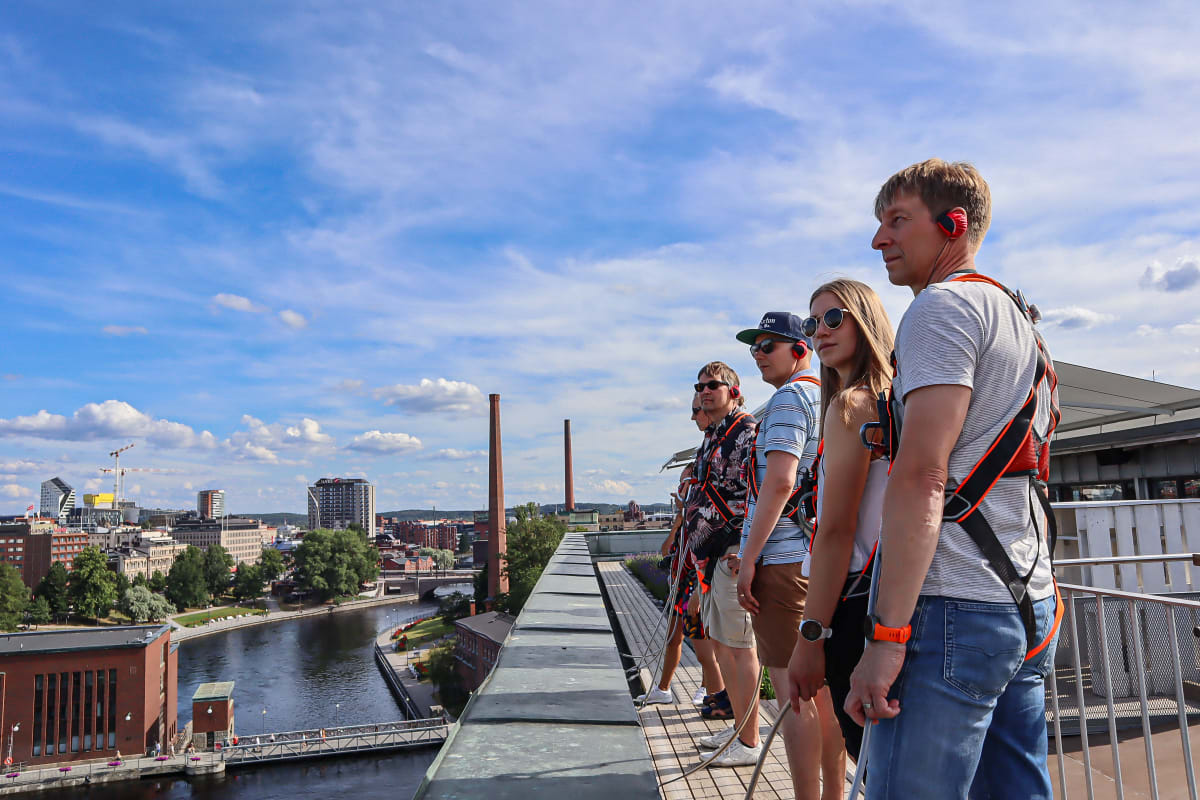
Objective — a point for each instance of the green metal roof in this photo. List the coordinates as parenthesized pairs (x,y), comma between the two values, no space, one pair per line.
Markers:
(207,692)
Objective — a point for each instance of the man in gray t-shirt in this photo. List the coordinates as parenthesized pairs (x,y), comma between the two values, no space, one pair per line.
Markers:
(968,714)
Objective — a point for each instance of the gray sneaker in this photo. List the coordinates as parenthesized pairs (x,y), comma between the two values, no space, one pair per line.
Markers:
(738,755)
(655,695)
(716,740)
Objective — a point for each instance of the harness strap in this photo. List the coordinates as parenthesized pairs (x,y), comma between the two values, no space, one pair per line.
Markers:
(792,506)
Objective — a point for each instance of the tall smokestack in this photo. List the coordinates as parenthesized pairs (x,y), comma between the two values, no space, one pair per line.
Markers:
(569,479)
(497,581)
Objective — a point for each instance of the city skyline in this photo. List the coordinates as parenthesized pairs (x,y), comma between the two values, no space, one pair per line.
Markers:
(271,245)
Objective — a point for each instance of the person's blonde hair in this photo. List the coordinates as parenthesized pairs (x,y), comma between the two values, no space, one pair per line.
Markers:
(723,372)
(941,187)
(873,344)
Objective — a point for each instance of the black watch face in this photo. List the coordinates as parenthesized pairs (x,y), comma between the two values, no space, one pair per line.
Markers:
(869,627)
(810,629)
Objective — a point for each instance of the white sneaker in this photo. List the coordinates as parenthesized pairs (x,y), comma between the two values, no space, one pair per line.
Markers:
(698,697)
(716,740)
(655,695)
(738,755)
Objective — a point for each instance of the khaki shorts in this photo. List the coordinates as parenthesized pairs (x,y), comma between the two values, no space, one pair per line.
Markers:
(724,619)
(780,590)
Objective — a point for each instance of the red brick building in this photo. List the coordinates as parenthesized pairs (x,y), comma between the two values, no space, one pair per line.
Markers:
(479,639)
(33,545)
(443,536)
(85,694)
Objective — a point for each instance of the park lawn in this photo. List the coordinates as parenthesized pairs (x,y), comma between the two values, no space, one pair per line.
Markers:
(201,617)
(428,630)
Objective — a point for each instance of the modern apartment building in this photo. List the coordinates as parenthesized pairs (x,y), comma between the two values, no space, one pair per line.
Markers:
(58,499)
(337,502)
(33,545)
(211,503)
(243,538)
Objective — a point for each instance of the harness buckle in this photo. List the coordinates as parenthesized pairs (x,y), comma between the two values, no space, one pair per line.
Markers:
(956,507)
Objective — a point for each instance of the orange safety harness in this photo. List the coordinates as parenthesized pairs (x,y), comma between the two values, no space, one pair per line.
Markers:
(1018,450)
(729,517)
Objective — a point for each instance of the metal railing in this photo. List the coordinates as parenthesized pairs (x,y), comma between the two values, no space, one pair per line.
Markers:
(344,740)
(1126,661)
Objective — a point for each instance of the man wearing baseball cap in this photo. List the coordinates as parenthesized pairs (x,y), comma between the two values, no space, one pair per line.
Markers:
(775,543)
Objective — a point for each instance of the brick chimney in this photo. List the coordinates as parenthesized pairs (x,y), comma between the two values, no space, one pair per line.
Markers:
(569,479)
(497,581)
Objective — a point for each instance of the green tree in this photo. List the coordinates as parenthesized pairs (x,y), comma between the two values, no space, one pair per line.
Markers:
(481,587)
(123,584)
(454,608)
(53,587)
(186,586)
(92,586)
(160,608)
(443,673)
(135,603)
(37,611)
(158,582)
(271,562)
(249,581)
(532,540)
(333,563)
(464,542)
(14,596)
(217,563)
(140,580)
(442,559)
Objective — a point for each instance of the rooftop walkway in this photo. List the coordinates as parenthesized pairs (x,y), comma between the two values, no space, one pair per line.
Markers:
(554,718)
(672,731)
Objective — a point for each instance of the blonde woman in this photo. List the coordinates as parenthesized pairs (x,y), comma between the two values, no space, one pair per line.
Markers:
(853,337)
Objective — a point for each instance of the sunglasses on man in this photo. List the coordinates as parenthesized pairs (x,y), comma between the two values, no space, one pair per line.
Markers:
(766,346)
(710,385)
(832,318)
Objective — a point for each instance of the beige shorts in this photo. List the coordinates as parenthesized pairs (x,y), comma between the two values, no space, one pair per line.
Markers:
(724,618)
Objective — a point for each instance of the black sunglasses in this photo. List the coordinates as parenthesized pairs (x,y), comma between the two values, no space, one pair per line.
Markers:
(711,385)
(765,346)
(832,318)
(695,411)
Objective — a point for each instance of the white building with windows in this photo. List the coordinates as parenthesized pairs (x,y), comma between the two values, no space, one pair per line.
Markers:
(337,502)
(211,503)
(58,499)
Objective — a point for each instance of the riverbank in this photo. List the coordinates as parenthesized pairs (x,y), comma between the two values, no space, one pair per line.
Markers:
(181,634)
(415,696)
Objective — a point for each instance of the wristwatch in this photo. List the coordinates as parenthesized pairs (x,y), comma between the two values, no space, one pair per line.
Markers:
(811,630)
(876,631)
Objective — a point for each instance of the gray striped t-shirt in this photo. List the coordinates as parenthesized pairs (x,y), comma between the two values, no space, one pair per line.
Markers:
(967,333)
(790,424)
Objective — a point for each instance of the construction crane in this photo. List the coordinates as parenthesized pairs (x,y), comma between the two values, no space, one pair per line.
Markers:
(118,473)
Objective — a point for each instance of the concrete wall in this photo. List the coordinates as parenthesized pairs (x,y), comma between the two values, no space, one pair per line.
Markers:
(623,543)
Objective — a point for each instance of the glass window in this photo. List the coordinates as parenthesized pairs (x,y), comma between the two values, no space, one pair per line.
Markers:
(75,712)
(39,689)
(99,710)
(1191,488)
(51,711)
(88,677)
(63,702)
(112,709)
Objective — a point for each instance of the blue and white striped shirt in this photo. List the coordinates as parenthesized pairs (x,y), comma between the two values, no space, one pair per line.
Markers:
(790,424)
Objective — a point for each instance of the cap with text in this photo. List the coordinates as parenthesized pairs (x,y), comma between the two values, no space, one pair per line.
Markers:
(777,323)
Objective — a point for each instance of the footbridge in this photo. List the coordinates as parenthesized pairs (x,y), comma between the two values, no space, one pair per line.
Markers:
(320,743)
(396,583)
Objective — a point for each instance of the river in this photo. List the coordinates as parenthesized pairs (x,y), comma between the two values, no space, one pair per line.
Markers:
(300,671)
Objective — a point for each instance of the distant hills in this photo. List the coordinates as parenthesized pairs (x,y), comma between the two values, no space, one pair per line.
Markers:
(277,518)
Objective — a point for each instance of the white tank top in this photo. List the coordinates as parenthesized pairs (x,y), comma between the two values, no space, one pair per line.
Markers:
(870,512)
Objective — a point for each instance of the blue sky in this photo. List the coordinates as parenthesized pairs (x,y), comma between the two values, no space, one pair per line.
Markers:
(275,241)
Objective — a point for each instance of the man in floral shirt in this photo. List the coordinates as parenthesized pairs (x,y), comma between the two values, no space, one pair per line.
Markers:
(720,508)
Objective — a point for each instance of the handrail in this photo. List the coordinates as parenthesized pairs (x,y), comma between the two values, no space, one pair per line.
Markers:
(1140,597)
(1110,503)
(1084,562)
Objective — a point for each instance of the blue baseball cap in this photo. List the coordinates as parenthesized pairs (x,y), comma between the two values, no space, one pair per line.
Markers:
(779,323)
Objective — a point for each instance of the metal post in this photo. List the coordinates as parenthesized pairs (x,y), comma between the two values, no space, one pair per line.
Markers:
(1180,705)
(1112,712)
(1141,673)
(1083,732)
(1062,762)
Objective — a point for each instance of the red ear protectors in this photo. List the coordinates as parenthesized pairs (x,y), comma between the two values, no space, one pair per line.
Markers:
(735,392)
(800,349)
(953,223)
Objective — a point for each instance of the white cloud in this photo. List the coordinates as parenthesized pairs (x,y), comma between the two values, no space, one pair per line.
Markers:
(306,433)
(384,443)
(235,302)
(124,330)
(609,486)
(1073,317)
(293,319)
(460,455)
(15,490)
(110,419)
(1183,276)
(92,484)
(436,396)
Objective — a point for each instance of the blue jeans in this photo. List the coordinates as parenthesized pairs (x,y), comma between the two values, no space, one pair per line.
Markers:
(972,718)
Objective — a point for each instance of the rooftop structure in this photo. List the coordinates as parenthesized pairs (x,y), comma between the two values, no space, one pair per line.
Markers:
(58,499)
(337,502)
(210,503)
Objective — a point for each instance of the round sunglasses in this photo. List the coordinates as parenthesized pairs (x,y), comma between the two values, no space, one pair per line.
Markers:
(832,318)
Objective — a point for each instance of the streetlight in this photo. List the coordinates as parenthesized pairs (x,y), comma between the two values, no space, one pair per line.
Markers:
(264,722)
(337,709)
(12,735)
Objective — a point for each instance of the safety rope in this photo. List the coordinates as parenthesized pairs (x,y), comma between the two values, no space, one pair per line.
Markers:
(736,735)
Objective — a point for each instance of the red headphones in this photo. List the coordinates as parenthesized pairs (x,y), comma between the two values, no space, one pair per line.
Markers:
(953,223)
(735,392)
(800,349)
